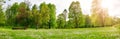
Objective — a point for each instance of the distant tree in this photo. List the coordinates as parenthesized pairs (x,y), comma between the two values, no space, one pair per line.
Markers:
(36,18)
(45,17)
(70,24)
(116,20)
(60,21)
(107,19)
(34,12)
(87,21)
(11,13)
(14,8)
(65,16)
(22,17)
(94,13)
(52,21)
(1,12)
(99,15)
(2,16)
(76,15)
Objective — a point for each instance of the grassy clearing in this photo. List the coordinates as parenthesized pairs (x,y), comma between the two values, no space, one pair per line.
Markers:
(80,33)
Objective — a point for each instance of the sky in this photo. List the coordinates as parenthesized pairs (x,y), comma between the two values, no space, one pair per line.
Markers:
(112,5)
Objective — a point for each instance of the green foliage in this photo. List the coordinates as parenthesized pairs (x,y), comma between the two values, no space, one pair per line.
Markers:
(87,21)
(117,26)
(100,17)
(2,16)
(52,21)
(70,24)
(11,13)
(108,21)
(22,17)
(75,14)
(45,14)
(61,21)
(14,8)
(36,17)
(117,23)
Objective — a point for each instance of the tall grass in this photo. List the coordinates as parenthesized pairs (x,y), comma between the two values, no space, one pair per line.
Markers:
(80,33)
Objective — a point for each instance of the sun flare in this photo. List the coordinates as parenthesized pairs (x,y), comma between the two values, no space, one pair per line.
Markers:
(105,3)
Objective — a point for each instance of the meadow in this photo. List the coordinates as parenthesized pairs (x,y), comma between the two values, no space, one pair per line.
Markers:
(78,33)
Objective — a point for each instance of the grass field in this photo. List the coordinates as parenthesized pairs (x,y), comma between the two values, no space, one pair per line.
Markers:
(80,33)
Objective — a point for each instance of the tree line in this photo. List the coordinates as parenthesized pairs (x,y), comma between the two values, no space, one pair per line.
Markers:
(44,16)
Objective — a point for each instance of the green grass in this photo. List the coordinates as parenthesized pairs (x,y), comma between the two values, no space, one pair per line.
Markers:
(80,33)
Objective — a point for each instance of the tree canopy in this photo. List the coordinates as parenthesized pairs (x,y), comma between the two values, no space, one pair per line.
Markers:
(44,16)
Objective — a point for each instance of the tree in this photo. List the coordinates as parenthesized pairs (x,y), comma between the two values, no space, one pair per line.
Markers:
(70,24)
(2,16)
(99,15)
(52,10)
(61,21)
(36,17)
(87,21)
(22,17)
(11,13)
(76,15)
(44,11)
(65,17)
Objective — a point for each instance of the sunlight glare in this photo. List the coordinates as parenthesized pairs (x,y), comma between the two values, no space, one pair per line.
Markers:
(105,3)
